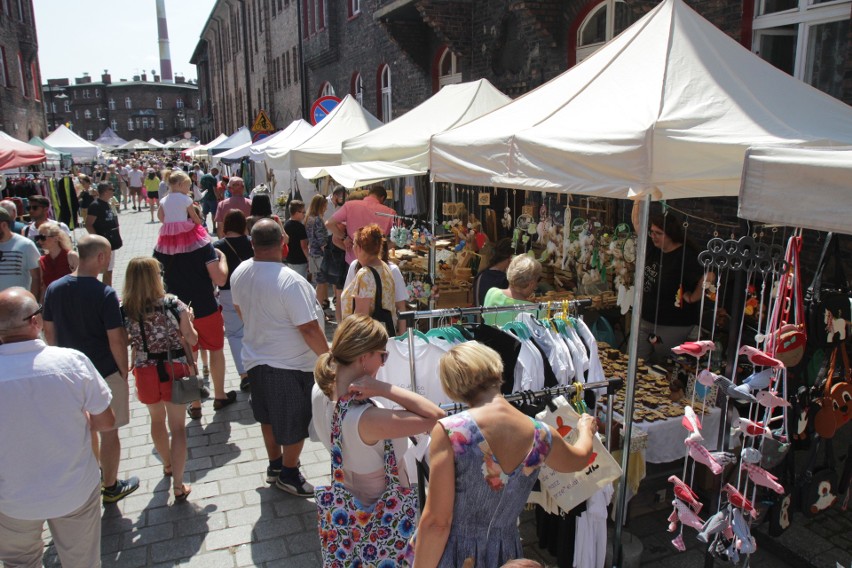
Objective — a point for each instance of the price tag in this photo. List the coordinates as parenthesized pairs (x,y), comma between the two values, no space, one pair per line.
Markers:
(485,199)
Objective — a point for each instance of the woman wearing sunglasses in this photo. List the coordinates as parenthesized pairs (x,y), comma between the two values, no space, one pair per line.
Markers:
(349,368)
(59,258)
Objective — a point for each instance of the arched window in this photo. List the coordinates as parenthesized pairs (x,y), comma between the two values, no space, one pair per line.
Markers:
(129,124)
(357,88)
(127,103)
(449,69)
(605,21)
(112,104)
(385,107)
(159,102)
(326,89)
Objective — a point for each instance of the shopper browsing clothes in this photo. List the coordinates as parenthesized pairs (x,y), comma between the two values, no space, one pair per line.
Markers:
(674,288)
(483,465)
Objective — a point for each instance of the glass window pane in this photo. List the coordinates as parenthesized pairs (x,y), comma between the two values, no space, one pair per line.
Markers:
(595,29)
(772,6)
(624,17)
(779,48)
(827,46)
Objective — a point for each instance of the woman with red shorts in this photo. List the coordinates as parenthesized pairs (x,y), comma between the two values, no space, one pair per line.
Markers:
(158,324)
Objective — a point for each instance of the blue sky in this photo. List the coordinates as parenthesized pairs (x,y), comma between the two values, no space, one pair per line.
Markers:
(120,35)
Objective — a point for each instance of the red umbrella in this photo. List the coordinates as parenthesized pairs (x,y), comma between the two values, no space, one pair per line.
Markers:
(15,153)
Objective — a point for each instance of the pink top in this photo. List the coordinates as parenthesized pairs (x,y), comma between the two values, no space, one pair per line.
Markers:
(233,202)
(360,213)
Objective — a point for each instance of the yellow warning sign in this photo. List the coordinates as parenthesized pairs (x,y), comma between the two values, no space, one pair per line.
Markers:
(262,123)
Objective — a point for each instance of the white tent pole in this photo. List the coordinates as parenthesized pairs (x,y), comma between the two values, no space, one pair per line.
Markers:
(432,252)
(633,347)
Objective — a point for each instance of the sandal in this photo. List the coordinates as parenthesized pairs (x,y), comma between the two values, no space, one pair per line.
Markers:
(194,413)
(220,403)
(167,471)
(181,497)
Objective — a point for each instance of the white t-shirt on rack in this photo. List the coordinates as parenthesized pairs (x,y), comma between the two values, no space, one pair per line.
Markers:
(427,358)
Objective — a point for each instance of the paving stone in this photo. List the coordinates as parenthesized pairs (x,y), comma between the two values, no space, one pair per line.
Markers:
(148,535)
(126,558)
(279,527)
(256,553)
(293,505)
(240,484)
(202,524)
(184,547)
(226,538)
(303,542)
(247,515)
(215,559)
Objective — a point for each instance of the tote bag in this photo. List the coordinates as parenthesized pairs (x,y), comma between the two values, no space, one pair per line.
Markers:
(354,535)
(570,489)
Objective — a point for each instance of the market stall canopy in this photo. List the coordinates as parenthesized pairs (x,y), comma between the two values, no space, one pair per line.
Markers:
(322,147)
(53,155)
(245,150)
(110,139)
(238,138)
(361,174)
(16,153)
(405,140)
(136,145)
(669,106)
(281,142)
(64,140)
(777,182)
(202,149)
(156,143)
(181,145)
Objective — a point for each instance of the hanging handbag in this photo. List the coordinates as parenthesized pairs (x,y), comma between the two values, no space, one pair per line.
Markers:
(828,307)
(351,533)
(786,338)
(191,387)
(834,398)
(380,313)
(818,487)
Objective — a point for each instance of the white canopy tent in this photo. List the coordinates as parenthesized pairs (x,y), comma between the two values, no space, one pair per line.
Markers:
(670,104)
(798,187)
(323,146)
(181,144)
(295,133)
(137,145)
(201,151)
(401,147)
(254,150)
(238,138)
(64,140)
(156,143)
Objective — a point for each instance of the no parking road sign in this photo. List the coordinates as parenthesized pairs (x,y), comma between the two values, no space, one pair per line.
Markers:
(322,107)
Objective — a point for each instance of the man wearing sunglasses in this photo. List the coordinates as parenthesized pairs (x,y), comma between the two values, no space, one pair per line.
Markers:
(18,258)
(50,399)
(38,208)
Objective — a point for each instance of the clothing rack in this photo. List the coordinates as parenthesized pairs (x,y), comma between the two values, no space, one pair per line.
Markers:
(395,216)
(411,317)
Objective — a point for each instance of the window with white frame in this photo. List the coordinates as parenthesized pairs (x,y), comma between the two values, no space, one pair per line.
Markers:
(159,102)
(354,7)
(97,93)
(806,38)
(161,124)
(358,88)
(145,122)
(386,110)
(23,83)
(87,113)
(98,112)
(85,93)
(113,124)
(67,106)
(76,115)
(112,104)
(449,69)
(90,135)
(179,103)
(197,104)
(129,124)
(192,122)
(327,90)
(128,103)
(604,22)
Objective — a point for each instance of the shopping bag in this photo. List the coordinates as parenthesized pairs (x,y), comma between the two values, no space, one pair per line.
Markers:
(571,489)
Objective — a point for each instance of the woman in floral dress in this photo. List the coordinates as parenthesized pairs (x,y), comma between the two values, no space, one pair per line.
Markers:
(483,464)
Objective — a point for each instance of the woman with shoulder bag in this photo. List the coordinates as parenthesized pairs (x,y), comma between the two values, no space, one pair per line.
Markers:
(373,279)
(356,432)
(159,327)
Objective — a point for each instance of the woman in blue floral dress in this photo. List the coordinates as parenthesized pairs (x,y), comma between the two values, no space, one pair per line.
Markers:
(483,464)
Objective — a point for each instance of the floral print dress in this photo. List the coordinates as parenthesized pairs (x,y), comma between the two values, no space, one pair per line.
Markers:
(488,501)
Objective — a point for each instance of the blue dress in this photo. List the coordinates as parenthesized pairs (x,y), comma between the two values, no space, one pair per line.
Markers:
(488,502)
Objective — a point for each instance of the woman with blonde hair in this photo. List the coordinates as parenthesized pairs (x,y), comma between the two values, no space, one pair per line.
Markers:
(483,464)
(160,328)
(59,258)
(346,375)
(523,275)
(317,241)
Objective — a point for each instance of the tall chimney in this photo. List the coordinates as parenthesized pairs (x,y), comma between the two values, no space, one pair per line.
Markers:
(163,40)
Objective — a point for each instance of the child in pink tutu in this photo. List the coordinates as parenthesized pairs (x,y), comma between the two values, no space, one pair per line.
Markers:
(182,230)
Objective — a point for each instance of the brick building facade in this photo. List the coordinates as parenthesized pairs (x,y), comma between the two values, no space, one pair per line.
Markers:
(247,60)
(140,108)
(393,54)
(20,77)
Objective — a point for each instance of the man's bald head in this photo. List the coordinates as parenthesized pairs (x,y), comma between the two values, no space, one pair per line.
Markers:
(89,246)
(266,234)
(16,306)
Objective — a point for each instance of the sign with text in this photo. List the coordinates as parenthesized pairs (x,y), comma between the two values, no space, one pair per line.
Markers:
(322,107)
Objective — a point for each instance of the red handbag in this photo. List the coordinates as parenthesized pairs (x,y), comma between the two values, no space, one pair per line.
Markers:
(787,339)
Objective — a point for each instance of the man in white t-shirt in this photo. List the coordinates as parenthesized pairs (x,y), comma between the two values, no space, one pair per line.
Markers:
(39,207)
(282,339)
(135,180)
(50,399)
(18,258)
